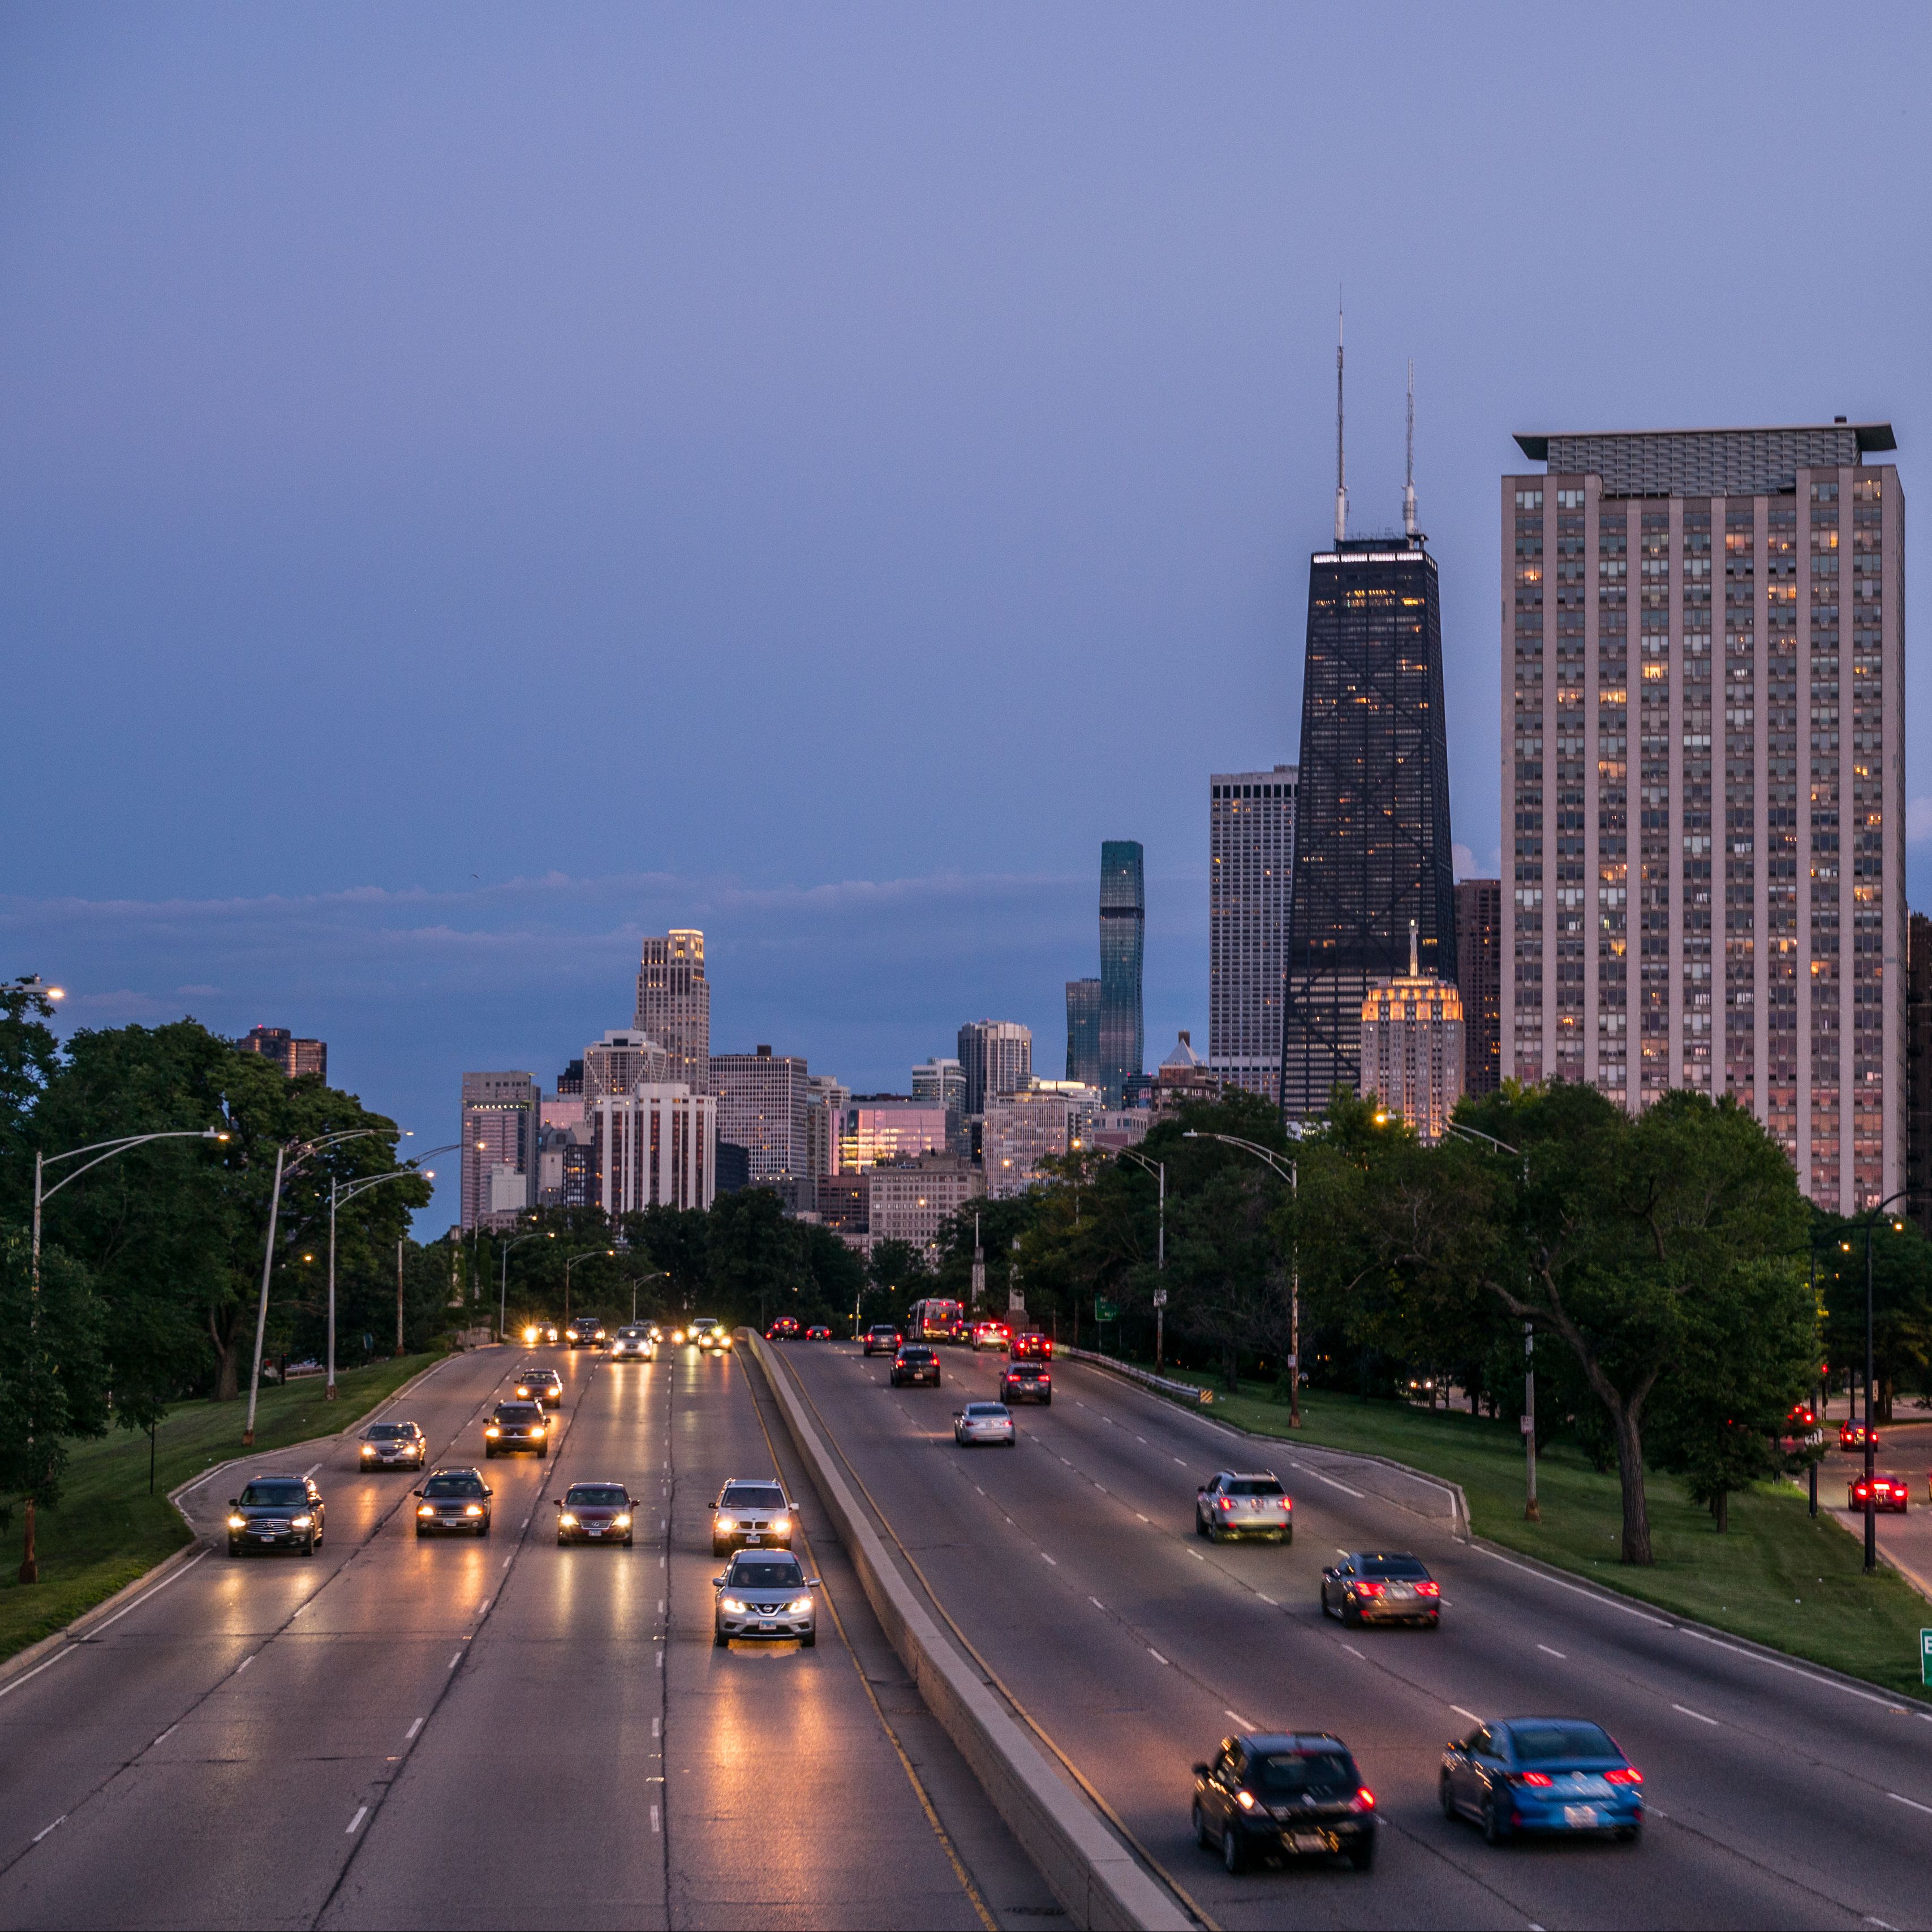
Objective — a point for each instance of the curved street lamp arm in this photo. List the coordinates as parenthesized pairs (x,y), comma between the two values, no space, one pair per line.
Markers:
(1254,1147)
(107,1149)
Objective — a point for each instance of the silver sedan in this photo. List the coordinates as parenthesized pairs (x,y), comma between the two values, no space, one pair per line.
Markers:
(983,1422)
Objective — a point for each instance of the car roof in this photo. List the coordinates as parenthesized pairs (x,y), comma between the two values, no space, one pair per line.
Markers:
(1384,1556)
(458,1469)
(599,1483)
(1260,1743)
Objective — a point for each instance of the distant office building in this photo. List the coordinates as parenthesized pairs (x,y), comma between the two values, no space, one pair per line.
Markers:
(1183,1079)
(844,1203)
(762,1099)
(1703,647)
(1412,1055)
(1021,1130)
(1123,943)
(996,1056)
(1089,1106)
(618,1061)
(295,1057)
(502,1119)
(674,1004)
(1083,1031)
(734,1168)
(1250,878)
(944,1080)
(1918,1064)
(1126,1127)
(825,1102)
(656,1146)
(911,1202)
(882,1127)
(565,1161)
(571,1080)
(1479,978)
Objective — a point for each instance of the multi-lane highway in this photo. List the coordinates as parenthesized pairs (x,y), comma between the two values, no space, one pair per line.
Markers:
(1779,1796)
(496,1732)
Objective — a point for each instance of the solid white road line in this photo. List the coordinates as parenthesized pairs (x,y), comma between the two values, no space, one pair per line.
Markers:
(1238,1719)
(46,1829)
(245,1664)
(1155,1654)
(68,1650)
(1548,1652)
(1470,1715)
(1698,1714)
(412,1730)
(361,1812)
(311,1470)
(1899,1798)
(1354,1652)
(1357,1494)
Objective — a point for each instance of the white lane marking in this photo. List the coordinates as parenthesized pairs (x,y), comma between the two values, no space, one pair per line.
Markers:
(1143,1518)
(54,1827)
(1333,1484)
(1183,1464)
(661,1606)
(505,1564)
(1096,1603)
(1899,1798)
(1354,1652)
(1611,1603)
(1776,1664)
(1197,1556)
(245,1664)
(1238,1719)
(1267,1600)
(456,1660)
(412,1730)
(526,1523)
(976,1486)
(1698,1714)
(483,1605)
(1472,1716)
(1548,1652)
(311,1470)
(1054,1560)
(1339,1551)
(167,1734)
(1140,1438)
(655,1723)
(660,1660)
(361,1812)
(68,1650)
(1103,1488)
(654,1818)
(1155,1654)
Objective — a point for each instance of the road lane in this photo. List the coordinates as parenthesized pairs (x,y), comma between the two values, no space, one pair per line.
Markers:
(1135,1641)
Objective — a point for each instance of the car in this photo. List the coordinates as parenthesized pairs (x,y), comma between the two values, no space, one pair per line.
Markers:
(584,1331)
(656,1333)
(634,1343)
(1294,1794)
(784,1329)
(1852,1436)
(393,1445)
(708,1333)
(992,1335)
(1026,1381)
(818,1333)
(276,1513)
(1233,1504)
(595,1513)
(544,1387)
(915,1363)
(882,1338)
(751,1513)
(537,1334)
(1542,1774)
(454,1501)
(1031,1346)
(984,1422)
(1382,1587)
(516,1426)
(1888,1492)
(765,1594)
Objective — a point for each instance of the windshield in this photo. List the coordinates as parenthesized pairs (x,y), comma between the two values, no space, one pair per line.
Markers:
(1254,1486)
(517,1411)
(596,1496)
(704,1321)
(1400,1567)
(632,1334)
(1290,1773)
(884,1328)
(916,1355)
(454,1485)
(771,1574)
(1539,1744)
(389,1431)
(274,1496)
(988,1408)
(753,1496)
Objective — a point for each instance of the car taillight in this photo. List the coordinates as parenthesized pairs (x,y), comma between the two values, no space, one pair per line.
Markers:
(1368,1589)
(1429,1589)
(1628,1774)
(1537,1778)
(1225,1502)
(1364,1800)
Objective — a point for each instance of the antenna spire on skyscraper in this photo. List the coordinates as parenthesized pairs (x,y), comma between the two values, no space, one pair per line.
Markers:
(1408,462)
(1341,465)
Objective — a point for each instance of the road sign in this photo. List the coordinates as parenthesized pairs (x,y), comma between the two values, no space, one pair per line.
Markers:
(1925,1656)
(1160,1298)
(1106,1311)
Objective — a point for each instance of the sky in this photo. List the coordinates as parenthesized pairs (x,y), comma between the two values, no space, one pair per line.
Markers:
(480,484)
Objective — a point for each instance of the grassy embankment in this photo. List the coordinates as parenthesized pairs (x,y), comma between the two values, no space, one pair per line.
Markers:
(1779,1576)
(109,1529)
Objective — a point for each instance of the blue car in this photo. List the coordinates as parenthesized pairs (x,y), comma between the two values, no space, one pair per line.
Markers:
(1543,1775)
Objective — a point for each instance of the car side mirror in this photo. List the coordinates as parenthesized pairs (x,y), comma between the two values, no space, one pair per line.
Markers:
(813,1583)
(415,1492)
(556,1502)
(487,1490)
(1201,1771)
(717,1582)
(234,1502)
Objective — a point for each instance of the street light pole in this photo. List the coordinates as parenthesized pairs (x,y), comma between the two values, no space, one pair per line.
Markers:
(339,1195)
(503,1278)
(1158,1170)
(1871,1515)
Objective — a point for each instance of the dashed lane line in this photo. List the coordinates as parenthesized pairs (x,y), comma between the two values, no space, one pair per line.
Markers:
(361,1812)
(1698,1714)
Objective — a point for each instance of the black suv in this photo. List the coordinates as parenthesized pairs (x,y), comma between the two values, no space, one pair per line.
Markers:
(515,1426)
(540,1385)
(275,1513)
(454,1499)
(1292,1792)
(585,1332)
(1026,1381)
(915,1363)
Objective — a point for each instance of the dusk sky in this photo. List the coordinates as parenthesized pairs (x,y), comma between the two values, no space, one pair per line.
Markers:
(481,484)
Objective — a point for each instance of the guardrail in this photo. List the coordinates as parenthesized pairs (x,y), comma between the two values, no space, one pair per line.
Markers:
(1191,1393)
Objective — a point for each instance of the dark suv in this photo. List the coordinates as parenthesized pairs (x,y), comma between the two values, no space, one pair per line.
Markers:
(1026,1381)
(915,1363)
(585,1332)
(454,1499)
(515,1426)
(882,1339)
(275,1513)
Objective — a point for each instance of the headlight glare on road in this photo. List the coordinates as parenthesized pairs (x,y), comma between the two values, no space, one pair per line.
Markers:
(735,1606)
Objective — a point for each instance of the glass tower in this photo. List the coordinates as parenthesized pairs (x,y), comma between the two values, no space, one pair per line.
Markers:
(1372,841)
(1083,1031)
(1123,940)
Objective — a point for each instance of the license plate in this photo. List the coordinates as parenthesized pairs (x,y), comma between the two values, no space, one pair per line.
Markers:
(753,1536)
(596,1529)
(1579,1817)
(1307,1841)
(768,1626)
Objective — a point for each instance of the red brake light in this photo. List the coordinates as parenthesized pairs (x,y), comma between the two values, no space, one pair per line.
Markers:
(1429,1589)
(1225,1502)
(1537,1778)
(1365,1799)
(1628,1774)
(1369,1589)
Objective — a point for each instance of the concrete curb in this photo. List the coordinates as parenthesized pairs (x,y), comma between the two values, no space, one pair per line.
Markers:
(1090,1872)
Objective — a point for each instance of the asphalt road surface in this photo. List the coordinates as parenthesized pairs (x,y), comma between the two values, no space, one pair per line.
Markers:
(499,1733)
(1779,1797)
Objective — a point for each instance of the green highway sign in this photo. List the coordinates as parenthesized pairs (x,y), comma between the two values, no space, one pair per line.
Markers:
(1925,1657)
(1106,1311)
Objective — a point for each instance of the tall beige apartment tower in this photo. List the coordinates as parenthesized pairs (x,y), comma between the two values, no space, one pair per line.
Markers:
(1703,641)
(674,1005)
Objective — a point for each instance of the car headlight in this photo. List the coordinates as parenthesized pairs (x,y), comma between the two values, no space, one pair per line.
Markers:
(523,1393)
(724,1342)
(238,1522)
(569,1521)
(677,1334)
(368,1448)
(301,1522)
(493,1430)
(472,1509)
(736,1606)
(622,1521)
(724,1522)
(1245,1799)
(600,1334)
(798,1606)
(781,1523)
(425,1509)
(537,1428)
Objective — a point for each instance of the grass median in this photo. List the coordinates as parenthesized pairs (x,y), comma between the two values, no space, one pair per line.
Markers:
(110,1527)
(1780,1576)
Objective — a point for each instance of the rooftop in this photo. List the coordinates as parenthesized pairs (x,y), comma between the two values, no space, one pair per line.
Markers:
(1705,462)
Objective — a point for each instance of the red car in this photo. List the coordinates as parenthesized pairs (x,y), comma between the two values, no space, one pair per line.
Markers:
(1032,1346)
(818,1334)
(784,1329)
(1888,1492)
(1852,1436)
(992,1335)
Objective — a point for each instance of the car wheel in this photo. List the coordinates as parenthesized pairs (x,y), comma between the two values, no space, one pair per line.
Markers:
(1351,1614)
(1494,1829)
(1364,1857)
(543,1450)
(421,1532)
(1046,1401)
(1012,1442)
(483,1528)
(1446,1796)
(809,1641)
(489,1454)
(234,1549)
(627,1543)
(719,1641)
(1200,1527)
(308,1543)
(1234,1851)
(1631,1834)
(720,1549)
(1288,1534)
(1202,1835)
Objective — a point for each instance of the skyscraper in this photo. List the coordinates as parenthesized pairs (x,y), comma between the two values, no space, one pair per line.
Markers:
(996,1056)
(1083,1030)
(501,1113)
(1750,942)
(1123,942)
(762,1100)
(674,1004)
(295,1057)
(1479,926)
(1412,1052)
(616,1062)
(944,1080)
(1250,873)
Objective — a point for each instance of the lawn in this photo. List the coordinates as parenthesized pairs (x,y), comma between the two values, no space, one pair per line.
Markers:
(110,1528)
(1779,1576)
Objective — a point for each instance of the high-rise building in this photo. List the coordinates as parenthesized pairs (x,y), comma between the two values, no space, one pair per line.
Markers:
(762,1099)
(912,1202)
(996,1057)
(674,1004)
(1709,890)
(571,1080)
(944,1080)
(1479,978)
(1250,877)
(1412,1055)
(1918,1062)
(825,1099)
(295,1057)
(1123,943)
(1021,1130)
(1183,1079)
(882,1127)
(1083,1031)
(617,1062)
(656,1146)
(502,1120)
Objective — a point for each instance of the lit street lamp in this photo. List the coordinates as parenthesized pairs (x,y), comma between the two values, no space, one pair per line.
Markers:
(1293,1177)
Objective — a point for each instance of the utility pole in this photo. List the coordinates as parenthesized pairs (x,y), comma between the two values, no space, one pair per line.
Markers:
(1531,1511)
(399,1295)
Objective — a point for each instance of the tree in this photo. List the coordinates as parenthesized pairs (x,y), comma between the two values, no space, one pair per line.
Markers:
(1901,1263)
(28,1056)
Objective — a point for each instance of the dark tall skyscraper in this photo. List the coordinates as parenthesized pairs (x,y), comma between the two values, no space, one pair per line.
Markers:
(1123,941)
(1372,843)
(1083,1031)
(1479,974)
